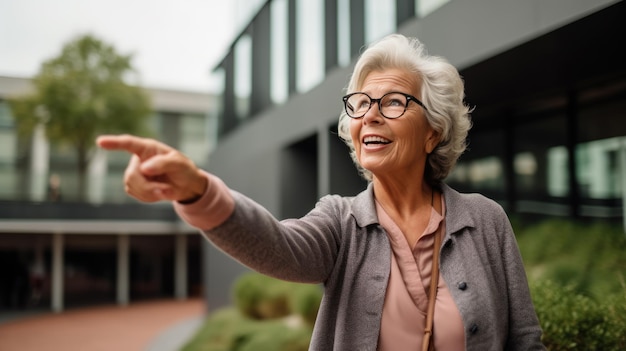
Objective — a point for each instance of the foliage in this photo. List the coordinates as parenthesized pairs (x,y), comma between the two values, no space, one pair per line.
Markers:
(589,257)
(80,94)
(261,297)
(576,272)
(305,301)
(572,321)
(269,314)
(229,330)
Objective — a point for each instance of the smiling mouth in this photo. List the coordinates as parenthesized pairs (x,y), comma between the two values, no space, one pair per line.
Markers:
(375,140)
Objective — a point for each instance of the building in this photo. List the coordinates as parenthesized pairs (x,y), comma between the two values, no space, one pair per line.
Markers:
(547,79)
(110,248)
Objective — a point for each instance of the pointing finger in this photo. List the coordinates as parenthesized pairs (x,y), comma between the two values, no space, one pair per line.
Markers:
(142,147)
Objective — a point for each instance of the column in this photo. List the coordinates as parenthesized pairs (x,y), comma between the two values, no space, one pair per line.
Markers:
(323,161)
(57,273)
(123,276)
(330,35)
(260,97)
(405,10)
(357,27)
(180,268)
(291,47)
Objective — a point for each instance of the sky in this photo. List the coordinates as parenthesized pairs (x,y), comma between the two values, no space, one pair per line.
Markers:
(174,44)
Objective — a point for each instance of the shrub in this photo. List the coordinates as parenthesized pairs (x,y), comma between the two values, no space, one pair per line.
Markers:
(261,297)
(267,315)
(572,321)
(586,256)
(305,301)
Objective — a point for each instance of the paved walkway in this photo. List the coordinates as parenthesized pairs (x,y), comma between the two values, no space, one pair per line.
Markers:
(163,325)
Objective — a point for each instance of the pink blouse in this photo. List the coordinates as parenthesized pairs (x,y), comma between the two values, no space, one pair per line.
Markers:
(406,302)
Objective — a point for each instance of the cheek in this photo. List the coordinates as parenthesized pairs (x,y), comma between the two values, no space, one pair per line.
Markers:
(355,131)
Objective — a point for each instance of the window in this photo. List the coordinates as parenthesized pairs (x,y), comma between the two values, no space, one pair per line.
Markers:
(310,44)
(243,76)
(380,19)
(279,77)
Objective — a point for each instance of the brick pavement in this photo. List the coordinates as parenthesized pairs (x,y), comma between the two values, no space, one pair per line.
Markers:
(104,328)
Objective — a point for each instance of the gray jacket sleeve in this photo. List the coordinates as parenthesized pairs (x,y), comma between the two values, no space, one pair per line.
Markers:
(300,250)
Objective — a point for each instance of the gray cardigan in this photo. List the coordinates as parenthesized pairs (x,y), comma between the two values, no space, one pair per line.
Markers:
(341,244)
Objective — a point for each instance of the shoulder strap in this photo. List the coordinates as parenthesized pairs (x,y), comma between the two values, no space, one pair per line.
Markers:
(427,342)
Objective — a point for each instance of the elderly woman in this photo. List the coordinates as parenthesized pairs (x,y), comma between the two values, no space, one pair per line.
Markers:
(408,263)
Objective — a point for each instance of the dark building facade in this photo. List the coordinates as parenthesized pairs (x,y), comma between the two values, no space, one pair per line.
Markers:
(547,81)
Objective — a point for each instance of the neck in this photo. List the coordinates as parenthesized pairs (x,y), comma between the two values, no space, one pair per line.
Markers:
(403,198)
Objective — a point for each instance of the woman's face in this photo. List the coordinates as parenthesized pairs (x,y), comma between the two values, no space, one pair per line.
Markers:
(392,147)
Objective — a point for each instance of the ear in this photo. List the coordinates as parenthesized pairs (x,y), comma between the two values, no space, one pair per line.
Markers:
(432,140)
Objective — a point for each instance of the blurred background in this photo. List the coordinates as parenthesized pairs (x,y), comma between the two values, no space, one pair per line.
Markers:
(251,91)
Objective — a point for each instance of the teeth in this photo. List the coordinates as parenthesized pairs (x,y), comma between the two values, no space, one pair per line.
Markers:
(375,139)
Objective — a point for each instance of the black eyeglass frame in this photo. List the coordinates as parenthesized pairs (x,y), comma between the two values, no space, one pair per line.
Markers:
(408,97)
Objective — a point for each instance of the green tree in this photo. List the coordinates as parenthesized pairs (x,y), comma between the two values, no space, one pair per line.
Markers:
(80,94)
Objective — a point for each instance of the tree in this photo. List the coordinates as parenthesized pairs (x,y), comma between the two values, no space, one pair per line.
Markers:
(80,94)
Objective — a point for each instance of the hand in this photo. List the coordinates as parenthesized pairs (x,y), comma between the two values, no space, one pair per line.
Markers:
(156,171)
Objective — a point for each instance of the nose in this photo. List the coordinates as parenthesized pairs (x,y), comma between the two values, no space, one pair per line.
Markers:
(373,115)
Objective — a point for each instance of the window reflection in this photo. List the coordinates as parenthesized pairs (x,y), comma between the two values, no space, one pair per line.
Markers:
(279,33)
(243,76)
(598,170)
(380,19)
(310,44)
(343,32)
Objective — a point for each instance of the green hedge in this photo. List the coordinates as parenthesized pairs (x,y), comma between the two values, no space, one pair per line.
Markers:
(590,257)
(576,273)
(572,321)
(269,314)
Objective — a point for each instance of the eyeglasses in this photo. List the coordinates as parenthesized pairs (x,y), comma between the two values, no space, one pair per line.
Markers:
(391,105)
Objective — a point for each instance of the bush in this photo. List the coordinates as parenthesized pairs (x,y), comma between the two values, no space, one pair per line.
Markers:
(269,314)
(261,297)
(571,321)
(587,257)
(305,301)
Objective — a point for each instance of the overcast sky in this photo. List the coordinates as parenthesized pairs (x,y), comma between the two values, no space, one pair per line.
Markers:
(175,44)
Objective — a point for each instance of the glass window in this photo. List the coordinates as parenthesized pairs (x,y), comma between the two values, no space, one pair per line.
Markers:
(598,168)
(243,76)
(310,44)
(279,33)
(8,143)
(380,19)
(558,176)
(6,119)
(538,141)
(8,173)
(343,32)
(481,168)
(193,138)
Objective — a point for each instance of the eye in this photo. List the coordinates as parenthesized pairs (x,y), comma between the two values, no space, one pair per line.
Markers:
(359,102)
(394,100)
